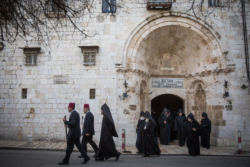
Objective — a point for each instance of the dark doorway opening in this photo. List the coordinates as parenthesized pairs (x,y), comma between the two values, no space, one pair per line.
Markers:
(171,102)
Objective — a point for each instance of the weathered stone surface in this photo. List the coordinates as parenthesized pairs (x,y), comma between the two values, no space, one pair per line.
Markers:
(134,45)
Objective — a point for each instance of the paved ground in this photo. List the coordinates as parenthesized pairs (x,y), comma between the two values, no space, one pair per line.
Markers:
(38,158)
(172,149)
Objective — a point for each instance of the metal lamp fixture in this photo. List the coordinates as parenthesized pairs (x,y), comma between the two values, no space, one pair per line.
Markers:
(226,94)
(1,46)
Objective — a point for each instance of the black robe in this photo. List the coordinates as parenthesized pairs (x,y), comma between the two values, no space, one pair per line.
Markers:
(179,126)
(139,139)
(150,143)
(172,119)
(193,138)
(206,130)
(107,147)
(165,129)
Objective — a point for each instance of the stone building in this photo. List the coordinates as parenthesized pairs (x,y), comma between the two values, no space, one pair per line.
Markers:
(139,59)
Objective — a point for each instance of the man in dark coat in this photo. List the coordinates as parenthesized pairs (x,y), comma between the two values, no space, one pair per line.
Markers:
(193,132)
(107,147)
(150,143)
(88,130)
(206,130)
(74,134)
(155,117)
(139,129)
(165,121)
(179,126)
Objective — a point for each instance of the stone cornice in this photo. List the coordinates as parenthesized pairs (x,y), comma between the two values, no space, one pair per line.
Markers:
(198,74)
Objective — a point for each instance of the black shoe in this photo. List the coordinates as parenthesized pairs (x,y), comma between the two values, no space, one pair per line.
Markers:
(118,157)
(97,159)
(80,156)
(85,161)
(159,154)
(144,155)
(62,163)
(138,152)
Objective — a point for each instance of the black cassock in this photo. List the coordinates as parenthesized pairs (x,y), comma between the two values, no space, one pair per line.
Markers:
(150,143)
(193,136)
(139,130)
(107,147)
(206,130)
(165,129)
(179,126)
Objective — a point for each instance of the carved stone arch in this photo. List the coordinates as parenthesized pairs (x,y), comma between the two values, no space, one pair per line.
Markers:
(199,98)
(138,35)
(196,83)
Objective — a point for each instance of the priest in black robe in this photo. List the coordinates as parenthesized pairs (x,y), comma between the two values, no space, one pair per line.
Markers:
(107,147)
(139,129)
(150,143)
(193,132)
(165,121)
(206,130)
(179,126)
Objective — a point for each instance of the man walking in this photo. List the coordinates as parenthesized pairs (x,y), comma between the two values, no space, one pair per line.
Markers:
(107,147)
(74,134)
(206,130)
(88,129)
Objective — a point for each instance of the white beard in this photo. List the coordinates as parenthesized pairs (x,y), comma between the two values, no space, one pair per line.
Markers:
(142,118)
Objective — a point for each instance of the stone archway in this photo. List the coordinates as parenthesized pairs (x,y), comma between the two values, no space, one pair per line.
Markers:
(209,37)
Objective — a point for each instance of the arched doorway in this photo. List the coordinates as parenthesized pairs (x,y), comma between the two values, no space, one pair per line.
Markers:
(169,101)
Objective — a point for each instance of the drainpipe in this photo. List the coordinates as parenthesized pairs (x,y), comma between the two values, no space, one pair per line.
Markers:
(245,38)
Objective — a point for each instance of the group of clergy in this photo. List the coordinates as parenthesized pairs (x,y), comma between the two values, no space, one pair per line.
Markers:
(188,130)
(107,148)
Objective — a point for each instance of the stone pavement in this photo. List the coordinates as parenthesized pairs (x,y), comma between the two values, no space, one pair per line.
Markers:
(172,149)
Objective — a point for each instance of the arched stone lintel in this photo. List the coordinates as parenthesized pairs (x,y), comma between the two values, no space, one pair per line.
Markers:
(196,82)
(177,92)
(132,50)
(177,17)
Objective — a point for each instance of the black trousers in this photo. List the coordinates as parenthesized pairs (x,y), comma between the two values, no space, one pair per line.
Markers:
(70,146)
(88,139)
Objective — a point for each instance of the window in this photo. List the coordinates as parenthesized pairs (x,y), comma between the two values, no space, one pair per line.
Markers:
(30,55)
(214,3)
(30,59)
(92,94)
(6,10)
(108,6)
(24,93)
(55,6)
(89,58)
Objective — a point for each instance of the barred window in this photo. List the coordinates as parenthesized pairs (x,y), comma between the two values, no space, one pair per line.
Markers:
(92,94)
(214,3)
(24,93)
(89,58)
(54,6)
(108,6)
(30,59)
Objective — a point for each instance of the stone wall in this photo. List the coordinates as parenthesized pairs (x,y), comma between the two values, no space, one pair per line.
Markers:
(134,45)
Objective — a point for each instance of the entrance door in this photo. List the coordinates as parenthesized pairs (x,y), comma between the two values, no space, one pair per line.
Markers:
(171,102)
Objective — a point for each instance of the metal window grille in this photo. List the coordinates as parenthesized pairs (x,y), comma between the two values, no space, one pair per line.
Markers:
(89,58)
(54,7)
(214,3)
(92,94)
(159,4)
(108,6)
(24,93)
(30,59)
